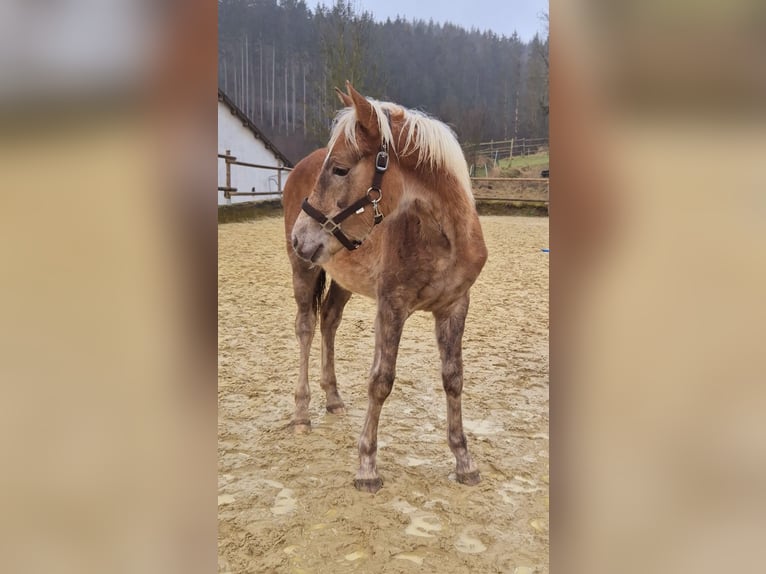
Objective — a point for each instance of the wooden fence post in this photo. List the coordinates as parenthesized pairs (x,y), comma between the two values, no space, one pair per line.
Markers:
(226,193)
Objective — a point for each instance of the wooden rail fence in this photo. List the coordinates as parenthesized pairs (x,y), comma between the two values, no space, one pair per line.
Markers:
(229,191)
(482,193)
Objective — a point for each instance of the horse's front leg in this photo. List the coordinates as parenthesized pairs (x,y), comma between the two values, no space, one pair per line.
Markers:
(450,324)
(331,314)
(389,323)
(305,284)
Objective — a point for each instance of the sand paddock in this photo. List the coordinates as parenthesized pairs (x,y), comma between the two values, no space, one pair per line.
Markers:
(287,503)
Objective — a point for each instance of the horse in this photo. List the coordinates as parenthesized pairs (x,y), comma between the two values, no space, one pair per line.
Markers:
(386,211)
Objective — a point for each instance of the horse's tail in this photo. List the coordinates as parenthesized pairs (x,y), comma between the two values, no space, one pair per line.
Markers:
(319,290)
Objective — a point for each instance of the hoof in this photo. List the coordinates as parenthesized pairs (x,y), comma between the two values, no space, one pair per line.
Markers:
(372,485)
(336,409)
(469,478)
(302,427)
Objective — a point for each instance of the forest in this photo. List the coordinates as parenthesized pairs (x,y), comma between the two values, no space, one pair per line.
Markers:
(279,61)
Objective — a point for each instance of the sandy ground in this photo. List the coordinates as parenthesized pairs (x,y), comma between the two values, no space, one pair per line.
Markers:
(286,502)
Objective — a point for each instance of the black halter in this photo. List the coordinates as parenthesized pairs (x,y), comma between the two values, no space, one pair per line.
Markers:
(332,224)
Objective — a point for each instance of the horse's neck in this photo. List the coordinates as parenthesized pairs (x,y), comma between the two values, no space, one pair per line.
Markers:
(438,197)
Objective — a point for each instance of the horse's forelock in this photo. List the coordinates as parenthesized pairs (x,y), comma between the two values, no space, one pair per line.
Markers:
(434,142)
(345,125)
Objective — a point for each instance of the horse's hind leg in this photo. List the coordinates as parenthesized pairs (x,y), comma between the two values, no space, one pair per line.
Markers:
(330,316)
(449,335)
(308,284)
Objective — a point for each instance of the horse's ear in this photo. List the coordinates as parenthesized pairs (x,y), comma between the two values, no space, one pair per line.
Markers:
(365,114)
(345,100)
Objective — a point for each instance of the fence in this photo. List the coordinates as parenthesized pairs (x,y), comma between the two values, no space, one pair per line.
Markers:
(483,186)
(533,190)
(494,151)
(483,189)
(229,191)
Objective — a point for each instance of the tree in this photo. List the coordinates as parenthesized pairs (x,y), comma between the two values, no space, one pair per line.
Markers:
(344,36)
(279,59)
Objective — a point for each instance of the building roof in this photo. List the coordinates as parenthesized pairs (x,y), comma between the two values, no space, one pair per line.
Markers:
(247,122)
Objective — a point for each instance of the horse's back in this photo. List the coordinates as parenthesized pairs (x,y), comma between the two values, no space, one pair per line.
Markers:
(298,186)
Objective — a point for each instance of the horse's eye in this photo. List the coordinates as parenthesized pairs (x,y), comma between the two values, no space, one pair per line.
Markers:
(341,171)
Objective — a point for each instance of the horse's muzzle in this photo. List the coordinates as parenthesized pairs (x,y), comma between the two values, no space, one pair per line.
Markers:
(308,250)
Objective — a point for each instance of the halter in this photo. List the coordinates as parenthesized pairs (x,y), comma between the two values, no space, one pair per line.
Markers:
(332,224)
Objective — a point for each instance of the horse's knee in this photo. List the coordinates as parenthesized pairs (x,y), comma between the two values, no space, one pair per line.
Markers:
(305,322)
(304,312)
(381,384)
(452,383)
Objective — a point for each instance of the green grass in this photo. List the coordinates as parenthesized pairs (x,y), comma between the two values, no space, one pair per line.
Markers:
(533,160)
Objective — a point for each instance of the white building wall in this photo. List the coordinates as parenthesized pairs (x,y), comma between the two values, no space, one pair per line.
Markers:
(243,144)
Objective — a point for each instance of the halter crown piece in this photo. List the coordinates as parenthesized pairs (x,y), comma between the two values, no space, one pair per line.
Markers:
(373,196)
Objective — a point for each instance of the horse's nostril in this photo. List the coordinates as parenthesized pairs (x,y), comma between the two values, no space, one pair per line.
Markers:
(295,243)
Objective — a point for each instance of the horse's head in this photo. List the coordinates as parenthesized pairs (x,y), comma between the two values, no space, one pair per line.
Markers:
(346,200)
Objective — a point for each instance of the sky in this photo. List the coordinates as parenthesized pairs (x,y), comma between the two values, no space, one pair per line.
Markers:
(500,16)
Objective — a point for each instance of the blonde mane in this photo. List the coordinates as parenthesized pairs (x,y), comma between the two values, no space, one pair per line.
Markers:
(435,143)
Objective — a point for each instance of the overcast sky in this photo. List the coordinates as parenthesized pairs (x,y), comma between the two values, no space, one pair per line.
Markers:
(500,16)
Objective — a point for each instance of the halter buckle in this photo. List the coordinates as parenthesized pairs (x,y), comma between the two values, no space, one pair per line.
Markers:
(381,161)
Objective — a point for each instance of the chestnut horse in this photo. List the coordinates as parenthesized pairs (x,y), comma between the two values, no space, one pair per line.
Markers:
(386,210)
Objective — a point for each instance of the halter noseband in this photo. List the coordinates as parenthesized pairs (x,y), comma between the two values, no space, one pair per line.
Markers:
(332,224)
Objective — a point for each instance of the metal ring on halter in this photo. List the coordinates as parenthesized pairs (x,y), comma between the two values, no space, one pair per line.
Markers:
(380,194)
